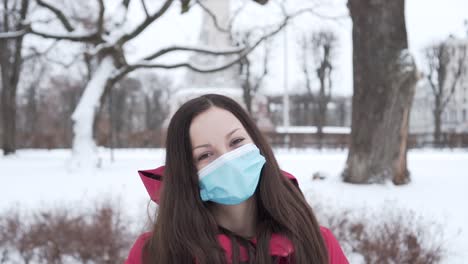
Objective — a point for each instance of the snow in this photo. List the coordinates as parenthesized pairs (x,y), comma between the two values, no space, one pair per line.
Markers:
(83,116)
(312,129)
(12,34)
(34,179)
(406,61)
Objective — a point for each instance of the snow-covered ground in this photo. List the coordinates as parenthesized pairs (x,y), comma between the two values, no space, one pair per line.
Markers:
(438,191)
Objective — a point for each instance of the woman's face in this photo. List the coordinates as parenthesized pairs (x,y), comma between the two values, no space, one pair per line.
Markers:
(214,133)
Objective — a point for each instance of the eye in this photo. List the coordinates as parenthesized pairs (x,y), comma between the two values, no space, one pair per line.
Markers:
(236,141)
(204,156)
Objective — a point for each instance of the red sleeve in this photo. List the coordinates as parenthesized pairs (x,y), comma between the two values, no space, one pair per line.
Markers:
(134,256)
(335,253)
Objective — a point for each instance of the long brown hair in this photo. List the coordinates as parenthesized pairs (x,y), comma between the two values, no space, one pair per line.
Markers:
(186,232)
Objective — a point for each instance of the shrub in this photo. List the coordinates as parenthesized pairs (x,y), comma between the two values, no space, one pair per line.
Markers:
(385,236)
(65,234)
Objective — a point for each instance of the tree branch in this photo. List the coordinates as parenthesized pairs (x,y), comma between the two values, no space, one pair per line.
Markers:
(143,3)
(93,37)
(145,23)
(100,21)
(60,15)
(242,54)
(5,23)
(194,49)
(35,53)
(146,63)
(260,79)
(457,77)
(213,17)
(431,57)
(186,65)
(13,34)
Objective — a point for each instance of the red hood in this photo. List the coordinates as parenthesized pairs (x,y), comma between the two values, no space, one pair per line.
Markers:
(152,179)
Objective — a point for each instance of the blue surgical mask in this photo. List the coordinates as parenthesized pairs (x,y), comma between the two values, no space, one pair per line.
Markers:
(233,177)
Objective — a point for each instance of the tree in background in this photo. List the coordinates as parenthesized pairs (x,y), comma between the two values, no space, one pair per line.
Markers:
(317,61)
(252,73)
(110,63)
(13,14)
(446,62)
(384,81)
(251,77)
(28,114)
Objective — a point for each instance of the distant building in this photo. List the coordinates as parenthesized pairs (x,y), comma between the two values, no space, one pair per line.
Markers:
(302,113)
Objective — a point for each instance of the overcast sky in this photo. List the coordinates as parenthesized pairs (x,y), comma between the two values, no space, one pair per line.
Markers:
(433,20)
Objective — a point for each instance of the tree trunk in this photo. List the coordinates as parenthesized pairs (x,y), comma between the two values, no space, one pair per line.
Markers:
(322,114)
(246,84)
(84,148)
(10,67)
(437,127)
(8,115)
(384,81)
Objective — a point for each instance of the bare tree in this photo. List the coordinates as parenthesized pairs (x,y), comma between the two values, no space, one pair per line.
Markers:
(317,53)
(384,82)
(27,118)
(445,66)
(111,65)
(13,13)
(252,80)
(252,73)
(107,54)
(156,99)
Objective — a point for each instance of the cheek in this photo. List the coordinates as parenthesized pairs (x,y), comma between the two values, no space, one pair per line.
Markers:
(205,162)
(202,163)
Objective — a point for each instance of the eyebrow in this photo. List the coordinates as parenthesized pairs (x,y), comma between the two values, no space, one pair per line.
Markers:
(208,145)
(232,132)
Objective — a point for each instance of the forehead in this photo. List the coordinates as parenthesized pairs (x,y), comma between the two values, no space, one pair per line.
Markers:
(212,124)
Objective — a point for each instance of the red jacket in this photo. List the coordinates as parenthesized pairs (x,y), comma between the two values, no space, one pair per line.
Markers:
(279,246)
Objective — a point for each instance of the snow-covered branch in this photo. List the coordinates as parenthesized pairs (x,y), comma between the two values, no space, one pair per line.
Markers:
(90,37)
(35,53)
(190,66)
(312,11)
(143,4)
(60,15)
(242,53)
(213,17)
(77,37)
(13,34)
(143,25)
(161,52)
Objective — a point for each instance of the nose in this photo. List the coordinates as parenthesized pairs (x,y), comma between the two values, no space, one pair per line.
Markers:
(221,150)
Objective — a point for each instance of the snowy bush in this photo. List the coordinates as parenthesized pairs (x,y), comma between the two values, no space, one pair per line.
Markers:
(65,235)
(104,235)
(387,236)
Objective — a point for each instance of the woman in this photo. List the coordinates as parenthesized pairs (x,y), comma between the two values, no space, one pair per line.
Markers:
(225,199)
